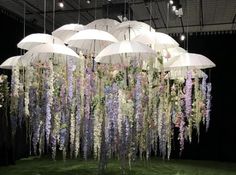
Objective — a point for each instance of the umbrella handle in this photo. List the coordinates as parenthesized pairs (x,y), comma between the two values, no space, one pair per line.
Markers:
(93,63)
(127,76)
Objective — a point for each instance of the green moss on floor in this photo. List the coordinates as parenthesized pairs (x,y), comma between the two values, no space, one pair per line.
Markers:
(35,166)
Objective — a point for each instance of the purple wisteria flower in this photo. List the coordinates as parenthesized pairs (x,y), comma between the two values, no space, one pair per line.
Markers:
(35,117)
(56,123)
(87,114)
(181,134)
(108,108)
(208,105)
(204,86)
(36,128)
(162,136)
(48,115)
(124,140)
(138,102)
(78,115)
(77,118)
(63,129)
(115,91)
(111,106)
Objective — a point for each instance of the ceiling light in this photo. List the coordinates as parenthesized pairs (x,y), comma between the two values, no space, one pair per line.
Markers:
(171,2)
(182,37)
(61,4)
(88,1)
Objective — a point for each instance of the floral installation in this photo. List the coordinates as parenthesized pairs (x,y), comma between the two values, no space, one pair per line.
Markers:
(111,112)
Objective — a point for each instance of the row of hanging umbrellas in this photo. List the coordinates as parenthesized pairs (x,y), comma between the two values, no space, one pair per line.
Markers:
(111,42)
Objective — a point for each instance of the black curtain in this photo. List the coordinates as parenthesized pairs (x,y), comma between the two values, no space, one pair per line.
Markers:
(219,142)
(12,147)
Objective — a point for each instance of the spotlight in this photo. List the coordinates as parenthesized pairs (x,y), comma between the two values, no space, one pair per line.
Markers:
(109,0)
(61,4)
(88,1)
(173,8)
(171,2)
(182,37)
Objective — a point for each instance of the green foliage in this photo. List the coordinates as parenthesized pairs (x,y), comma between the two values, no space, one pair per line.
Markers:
(34,166)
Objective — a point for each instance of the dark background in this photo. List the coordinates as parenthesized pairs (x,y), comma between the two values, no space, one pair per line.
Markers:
(219,143)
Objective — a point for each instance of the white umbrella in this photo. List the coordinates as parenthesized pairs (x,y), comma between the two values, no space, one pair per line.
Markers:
(130,29)
(124,51)
(10,62)
(189,61)
(172,52)
(182,73)
(104,24)
(91,40)
(66,31)
(44,52)
(167,54)
(35,39)
(157,40)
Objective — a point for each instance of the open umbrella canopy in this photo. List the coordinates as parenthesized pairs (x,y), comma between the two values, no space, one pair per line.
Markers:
(66,31)
(11,62)
(130,29)
(35,39)
(44,52)
(167,54)
(104,24)
(157,40)
(173,52)
(91,40)
(124,51)
(189,61)
(182,73)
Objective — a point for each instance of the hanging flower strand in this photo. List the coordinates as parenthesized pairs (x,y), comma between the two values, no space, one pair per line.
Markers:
(49,100)
(15,83)
(78,118)
(204,86)
(208,105)
(87,113)
(188,95)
